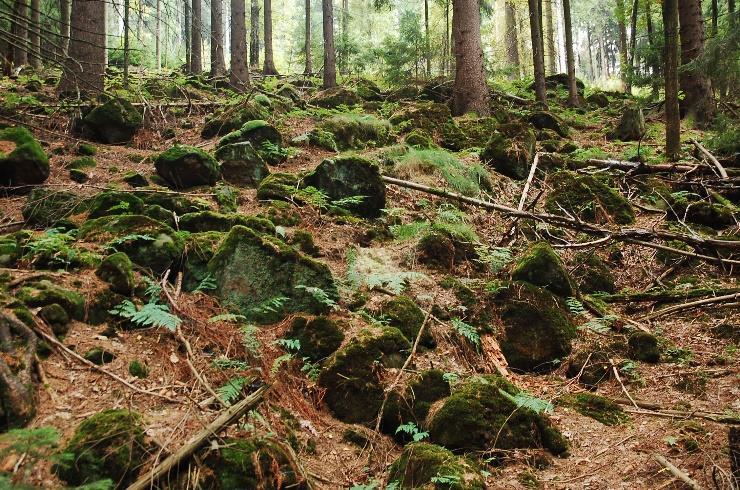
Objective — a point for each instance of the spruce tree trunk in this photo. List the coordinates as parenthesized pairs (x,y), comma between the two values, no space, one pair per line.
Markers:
(196,38)
(126,40)
(64,7)
(512,42)
(538,56)
(715,17)
(655,66)
(633,41)
(623,58)
(19,29)
(672,116)
(187,34)
(307,40)
(218,65)
(550,42)
(34,35)
(269,65)
(570,59)
(343,51)
(731,13)
(591,66)
(254,35)
(427,45)
(84,70)
(239,77)
(330,62)
(447,56)
(698,102)
(470,91)
(157,35)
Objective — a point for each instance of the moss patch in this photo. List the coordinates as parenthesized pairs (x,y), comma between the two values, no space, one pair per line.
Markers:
(422,462)
(541,266)
(22,160)
(587,197)
(596,407)
(183,167)
(320,337)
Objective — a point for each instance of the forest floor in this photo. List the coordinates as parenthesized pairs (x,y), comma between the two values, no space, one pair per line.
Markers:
(698,371)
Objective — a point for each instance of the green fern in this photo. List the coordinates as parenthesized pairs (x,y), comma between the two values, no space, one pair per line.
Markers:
(278,363)
(600,325)
(525,400)
(320,296)
(208,283)
(409,231)
(288,344)
(496,258)
(468,331)
(249,339)
(575,306)
(226,363)
(411,429)
(149,315)
(372,272)
(272,305)
(227,317)
(232,390)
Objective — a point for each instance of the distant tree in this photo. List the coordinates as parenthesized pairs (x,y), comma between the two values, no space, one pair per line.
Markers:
(470,91)
(269,65)
(84,70)
(330,62)
(570,59)
(64,12)
(254,34)
(512,40)
(538,56)
(623,55)
(551,41)
(307,39)
(34,35)
(196,38)
(695,84)
(239,77)
(218,65)
(19,31)
(670,71)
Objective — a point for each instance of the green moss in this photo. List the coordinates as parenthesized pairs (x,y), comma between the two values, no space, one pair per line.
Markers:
(279,186)
(183,167)
(714,211)
(282,213)
(422,462)
(593,274)
(303,239)
(135,179)
(10,251)
(45,292)
(86,149)
(258,133)
(78,176)
(56,317)
(101,304)
(118,271)
(334,97)
(26,163)
(212,221)
(414,403)
(587,197)
(231,118)
(596,407)
(178,204)
(99,356)
(591,368)
(404,314)
(115,121)
(320,337)
(643,346)
(428,116)
(114,202)
(323,139)
(82,163)
(357,131)
(510,150)
(541,266)
(199,250)
(108,445)
(419,139)
(227,198)
(138,369)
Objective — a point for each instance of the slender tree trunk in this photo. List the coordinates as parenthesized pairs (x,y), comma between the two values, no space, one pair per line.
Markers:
(330,62)
(187,35)
(34,35)
(633,42)
(591,66)
(427,44)
(470,91)
(254,34)
(64,7)
(570,59)
(196,39)
(84,70)
(343,51)
(538,56)
(512,40)
(139,20)
(623,57)
(126,40)
(672,116)
(269,66)
(552,57)
(731,13)
(307,40)
(715,18)
(19,29)
(239,77)
(218,65)
(698,101)
(446,61)
(157,35)
(655,66)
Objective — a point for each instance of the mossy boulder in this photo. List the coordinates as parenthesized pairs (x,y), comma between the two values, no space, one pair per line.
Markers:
(593,274)
(354,391)
(403,93)
(356,131)
(541,266)
(147,242)
(590,368)
(45,207)
(231,118)
(588,197)
(559,80)
(510,150)
(428,116)
(174,203)
(444,246)
(713,211)
(261,135)
(414,403)
(596,407)
(56,317)
(280,186)
(45,292)
(99,356)
(227,198)
(138,369)
(421,463)
(303,240)
(320,337)
(109,445)
(118,271)
(469,132)
(631,125)
(22,160)
(114,202)
(643,346)
(599,99)
(100,305)
(10,251)
(199,250)
(332,98)
(253,463)
(367,89)
(251,269)
(135,179)
(282,213)
(420,139)
(404,314)
(320,138)
(81,163)
(114,122)
(351,176)
(213,221)
(183,167)
(480,415)
(547,120)
(78,176)
(537,331)
(241,164)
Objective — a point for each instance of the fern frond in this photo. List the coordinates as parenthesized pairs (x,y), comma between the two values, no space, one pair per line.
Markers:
(227,317)
(528,401)
(468,331)
(232,390)
(575,306)
(149,315)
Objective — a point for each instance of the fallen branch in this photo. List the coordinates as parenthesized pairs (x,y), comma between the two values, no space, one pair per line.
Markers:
(711,158)
(525,191)
(676,472)
(657,410)
(691,304)
(666,295)
(633,167)
(227,417)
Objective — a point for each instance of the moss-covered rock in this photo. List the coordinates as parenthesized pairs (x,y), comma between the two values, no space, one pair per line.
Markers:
(320,337)
(479,417)
(537,329)
(404,314)
(100,305)
(199,250)
(590,368)
(108,445)
(547,120)
(319,137)
(114,122)
(468,132)
(351,176)
(631,125)
(414,403)
(10,251)
(118,271)
(56,317)
(78,176)
(421,462)
(44,292)
(252,464)
(354,392)
(241,164)
(227,198)
(541,266)
(403,93)
(279,186)
(596,407)
(510,150)
(282,213)
(643,346)
(174,203)
(251,269)
(135,179)
(713,211)
(599,99)
(265,140)
(418,138)
(593,274)
(183,167)
(356,131)
(332,98)
(114,202)
(303,240)
(22,160)
(86,149)
(444,246)
(99,356)
(232,118)
(138,369)
(428,116)
(212,221)
(587,197)
(82,163)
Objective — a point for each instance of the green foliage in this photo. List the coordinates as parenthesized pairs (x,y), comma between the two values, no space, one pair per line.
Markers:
(370,271)
(412,430)
(54,249)
(272,305)
(232,390)
(522,399)
(226,363)
(469,332)
(464,178)
(402,56)
(288,344)
(600,325)
(208,283)
(496,258)
(249,339)
(320,296)
(272,152)
(149,315)
(575,306)
(113,245)
(279,362)
(227,317)
(35,443)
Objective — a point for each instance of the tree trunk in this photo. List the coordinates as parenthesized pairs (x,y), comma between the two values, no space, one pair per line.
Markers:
(655,66)
(307,40)
(34,35)
(254,34)
(538,56)
(218,65)
(157,36)
(64,6)
(330,62)
(715,17)
(731,13)
(470,91)
(552,57)
(623,57)
(672,116)
(695,83)
(343,51)
(446,61)
(239,77)
(633,42)
(19,29)
(269,66)
(196,38)
(591,66)
(427,44)
(187,34)
(570,59)
(126,40)
(84,70)
(512,42)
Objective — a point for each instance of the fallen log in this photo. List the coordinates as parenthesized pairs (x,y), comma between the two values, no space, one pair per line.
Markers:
(692,304)
(676,472)
(665,295)
(711,158)
(656,409)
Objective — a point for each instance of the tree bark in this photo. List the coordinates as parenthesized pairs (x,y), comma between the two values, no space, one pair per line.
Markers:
(731,13)
(34,35)
(187,34)
(446,61)
(218,65)
(633,41)
(126,40)
(239,77)
(254,34)
(698,102)
(512,43)
(330,62)
(269,65)
(470,91)
(715,17)
(427,44)
(19,29)
(538,56)
(623,56)
(591,66)
(84,69)
(570,59)
(157,35)
(552,57)
(672,116)
(196,38)
(343,51)
(307,40)
(64,12)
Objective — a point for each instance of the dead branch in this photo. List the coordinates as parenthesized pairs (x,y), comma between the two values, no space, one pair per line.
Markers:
(525,191)
(676,472)
(711,158)
(691,304)
(657,410)
(632,167)
(666,295)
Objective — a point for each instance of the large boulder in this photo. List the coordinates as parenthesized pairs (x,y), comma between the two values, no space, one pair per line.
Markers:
(265,140)
(510,150)
(352,132)
(183,167)
(241,164)
(253,270)
(593,274)
(114,122)
(199,250)
(351,176)
(588,197)
(414,403)
(319,337)
(203,221)
(631,125)
(231,118)
(547,120)
(404,314)
(118,271)
(43,293)
(114,202)
(541,266)
(332,98)
(279,186)
(22,160)
(428,116)
(421,464)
